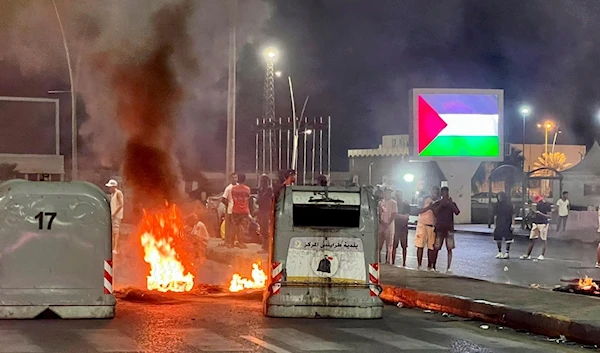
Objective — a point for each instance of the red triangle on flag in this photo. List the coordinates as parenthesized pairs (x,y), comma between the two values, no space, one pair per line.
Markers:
(430,124)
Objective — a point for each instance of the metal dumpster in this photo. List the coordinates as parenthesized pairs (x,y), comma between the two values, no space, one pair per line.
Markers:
(55,250)
(323,254)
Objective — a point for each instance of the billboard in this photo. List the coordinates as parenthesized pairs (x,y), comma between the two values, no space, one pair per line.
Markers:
(457,124)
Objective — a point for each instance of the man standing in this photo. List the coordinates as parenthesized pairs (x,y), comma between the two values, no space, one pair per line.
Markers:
(240,212)
(289,179)
(228,201)
(401,231)
(539,228)
(503,229)
(424,234)
(116,211)
(563,206)
(388,209)
(444,211)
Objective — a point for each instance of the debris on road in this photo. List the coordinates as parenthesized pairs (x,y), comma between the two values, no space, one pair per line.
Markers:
(400,305)
(427,311)
(484,327)
(505,268)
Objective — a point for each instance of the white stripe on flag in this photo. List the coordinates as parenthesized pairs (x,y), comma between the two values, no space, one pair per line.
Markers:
(470,125)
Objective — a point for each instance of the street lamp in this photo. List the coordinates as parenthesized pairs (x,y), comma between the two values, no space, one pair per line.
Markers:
(74,167)
(278,73)
(547,126)
(409,178)
(525,112)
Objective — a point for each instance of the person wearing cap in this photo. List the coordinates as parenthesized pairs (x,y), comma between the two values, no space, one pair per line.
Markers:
(539,229)
(116,211)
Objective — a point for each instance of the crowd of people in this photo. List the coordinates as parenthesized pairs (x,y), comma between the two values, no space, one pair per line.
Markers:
(243,210)
(435,226)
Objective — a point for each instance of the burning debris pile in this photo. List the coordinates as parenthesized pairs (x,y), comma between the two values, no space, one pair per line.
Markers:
(586,286)
(161,234)
(258,281)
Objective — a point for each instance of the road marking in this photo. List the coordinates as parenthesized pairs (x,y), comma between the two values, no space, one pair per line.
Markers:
(265,345)
(401,342)
(109,340)
(206,340)
(491,342)
(300,340)
(13,341)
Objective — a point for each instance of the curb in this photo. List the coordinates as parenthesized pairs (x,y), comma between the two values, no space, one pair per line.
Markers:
(495,313)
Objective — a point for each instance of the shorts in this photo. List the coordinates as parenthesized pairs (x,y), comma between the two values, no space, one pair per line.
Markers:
(401,238)
(539,231)
(505,234)
(448,237)
(424,235)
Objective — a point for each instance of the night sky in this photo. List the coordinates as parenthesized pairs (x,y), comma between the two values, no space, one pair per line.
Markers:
(357,60)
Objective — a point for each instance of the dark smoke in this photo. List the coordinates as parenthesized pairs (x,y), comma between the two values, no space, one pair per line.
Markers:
(148,97)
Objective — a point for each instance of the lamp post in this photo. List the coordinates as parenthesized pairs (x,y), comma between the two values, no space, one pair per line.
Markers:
(74,168)
(270,55)
(525,112)
(231,92)
(547,126)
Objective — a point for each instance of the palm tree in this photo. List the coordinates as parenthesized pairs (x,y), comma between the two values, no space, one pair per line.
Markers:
(482,174)
(8,171)
(554,160)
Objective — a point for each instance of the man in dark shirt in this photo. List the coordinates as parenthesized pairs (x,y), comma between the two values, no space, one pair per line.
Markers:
(503,229)
(401,225)
(444,211)
(539,229)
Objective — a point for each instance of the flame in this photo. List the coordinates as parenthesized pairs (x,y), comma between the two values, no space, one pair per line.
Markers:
(259,279)
(159,232)
(588,284)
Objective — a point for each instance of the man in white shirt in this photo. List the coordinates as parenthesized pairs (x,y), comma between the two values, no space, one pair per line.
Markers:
(116,211)
(563,206)
(228,201)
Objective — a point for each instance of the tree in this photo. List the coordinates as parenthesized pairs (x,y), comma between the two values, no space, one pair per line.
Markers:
(554,160)
(482,174)
(8,171)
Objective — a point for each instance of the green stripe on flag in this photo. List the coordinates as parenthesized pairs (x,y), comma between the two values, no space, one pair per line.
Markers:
(463,146)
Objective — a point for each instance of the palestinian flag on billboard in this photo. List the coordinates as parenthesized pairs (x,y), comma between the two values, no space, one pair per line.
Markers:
(458,125)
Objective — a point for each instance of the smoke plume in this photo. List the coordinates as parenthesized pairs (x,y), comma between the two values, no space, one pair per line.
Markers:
(147,97)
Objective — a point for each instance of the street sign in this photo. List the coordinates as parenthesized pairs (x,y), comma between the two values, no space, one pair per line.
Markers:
(457,124)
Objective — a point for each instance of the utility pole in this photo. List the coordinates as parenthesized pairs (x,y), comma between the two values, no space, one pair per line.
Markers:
(74,133)
(230,152)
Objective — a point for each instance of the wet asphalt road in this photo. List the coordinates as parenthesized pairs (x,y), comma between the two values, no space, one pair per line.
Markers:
(474,257)
(230,324)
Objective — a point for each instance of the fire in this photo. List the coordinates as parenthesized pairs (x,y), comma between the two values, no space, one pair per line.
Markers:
(159,232)
(259,279)
(588,284)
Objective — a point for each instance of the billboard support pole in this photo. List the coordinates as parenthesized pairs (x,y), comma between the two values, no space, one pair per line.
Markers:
(459,174)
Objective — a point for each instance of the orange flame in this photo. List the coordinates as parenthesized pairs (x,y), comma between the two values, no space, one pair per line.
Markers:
(158,233)
(588,284)
(259,280)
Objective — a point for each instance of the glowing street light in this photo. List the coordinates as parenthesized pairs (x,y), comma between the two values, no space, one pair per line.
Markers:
(278,73)
(409,178)
(271,54)
(525,111)
(548,125)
